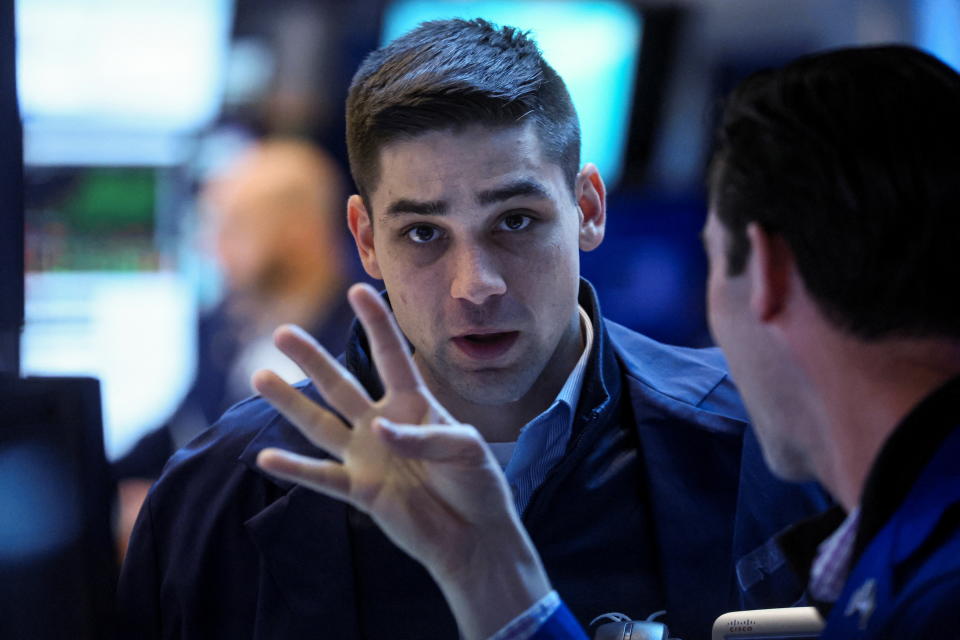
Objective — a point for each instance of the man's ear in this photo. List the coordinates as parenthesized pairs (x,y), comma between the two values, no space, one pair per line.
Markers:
(361,226)
(769,267)
(592,202)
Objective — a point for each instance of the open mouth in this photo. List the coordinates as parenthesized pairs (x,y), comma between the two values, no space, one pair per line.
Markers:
(486,346)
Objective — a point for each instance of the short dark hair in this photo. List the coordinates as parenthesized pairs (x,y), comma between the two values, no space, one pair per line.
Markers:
(448,74)
(853,157)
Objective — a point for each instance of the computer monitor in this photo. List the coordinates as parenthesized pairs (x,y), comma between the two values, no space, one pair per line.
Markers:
(56,549)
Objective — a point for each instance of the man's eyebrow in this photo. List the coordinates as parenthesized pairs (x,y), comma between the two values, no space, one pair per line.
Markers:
(421,207)
(523,187)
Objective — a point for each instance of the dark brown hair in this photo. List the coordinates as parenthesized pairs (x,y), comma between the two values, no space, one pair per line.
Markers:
(448,74)
(853,157)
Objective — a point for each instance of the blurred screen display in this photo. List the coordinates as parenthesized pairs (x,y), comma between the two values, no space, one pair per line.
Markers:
(91,219)
(113,94)
(594,46)
(115,64)
(101,298)
(118,82)
(134,331)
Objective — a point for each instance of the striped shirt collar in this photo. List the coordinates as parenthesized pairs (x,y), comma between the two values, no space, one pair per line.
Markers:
(570,392)
(832,563)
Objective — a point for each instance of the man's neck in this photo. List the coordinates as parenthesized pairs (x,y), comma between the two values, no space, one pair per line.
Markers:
(867,389)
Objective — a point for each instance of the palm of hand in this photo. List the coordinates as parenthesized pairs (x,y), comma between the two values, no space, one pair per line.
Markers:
(418,473)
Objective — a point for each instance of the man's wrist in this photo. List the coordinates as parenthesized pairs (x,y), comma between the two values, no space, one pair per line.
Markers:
(503,579)
(524,626)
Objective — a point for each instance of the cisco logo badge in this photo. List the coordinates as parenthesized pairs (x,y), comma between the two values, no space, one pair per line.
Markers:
(795,623)
(741,626)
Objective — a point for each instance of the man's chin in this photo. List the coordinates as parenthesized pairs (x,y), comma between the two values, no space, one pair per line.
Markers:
(491,388)
(487,386)
(505,381)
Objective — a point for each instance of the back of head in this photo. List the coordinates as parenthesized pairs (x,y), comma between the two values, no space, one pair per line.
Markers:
(449,74)
(853,157)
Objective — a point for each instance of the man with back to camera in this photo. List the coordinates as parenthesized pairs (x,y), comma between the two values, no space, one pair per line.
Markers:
(465,150)
(835,208)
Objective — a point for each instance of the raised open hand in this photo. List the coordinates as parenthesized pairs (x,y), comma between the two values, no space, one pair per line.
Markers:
(429,482)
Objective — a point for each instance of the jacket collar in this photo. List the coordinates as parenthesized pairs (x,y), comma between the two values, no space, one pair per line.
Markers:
(601,380)
(596,407)
(903,458)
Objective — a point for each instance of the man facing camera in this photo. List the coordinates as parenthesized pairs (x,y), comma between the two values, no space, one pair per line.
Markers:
(630,462)
(835,210)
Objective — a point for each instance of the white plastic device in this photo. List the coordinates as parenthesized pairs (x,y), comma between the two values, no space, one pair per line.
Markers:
(794,623)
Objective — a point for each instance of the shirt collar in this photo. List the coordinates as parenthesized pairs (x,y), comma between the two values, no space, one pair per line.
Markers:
(903,457)
(570,392)
(832,564)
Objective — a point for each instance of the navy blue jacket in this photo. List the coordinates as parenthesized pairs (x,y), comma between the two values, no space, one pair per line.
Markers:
(661,501)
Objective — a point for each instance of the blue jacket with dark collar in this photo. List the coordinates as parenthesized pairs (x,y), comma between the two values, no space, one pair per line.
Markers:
(662,501)
(905,579)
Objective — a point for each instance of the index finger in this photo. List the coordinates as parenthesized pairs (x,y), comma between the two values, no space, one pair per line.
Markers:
(387,344)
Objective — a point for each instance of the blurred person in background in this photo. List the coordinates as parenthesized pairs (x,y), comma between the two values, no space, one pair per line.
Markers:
(271,219)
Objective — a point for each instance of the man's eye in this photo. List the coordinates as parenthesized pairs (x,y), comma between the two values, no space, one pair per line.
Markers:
(516,222)
(421,234)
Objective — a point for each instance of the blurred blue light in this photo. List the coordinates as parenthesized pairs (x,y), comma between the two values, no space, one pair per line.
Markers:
(592,45)
(39,502)
(938,29)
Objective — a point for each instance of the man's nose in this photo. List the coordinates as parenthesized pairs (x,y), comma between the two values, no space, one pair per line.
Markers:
(476,276)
